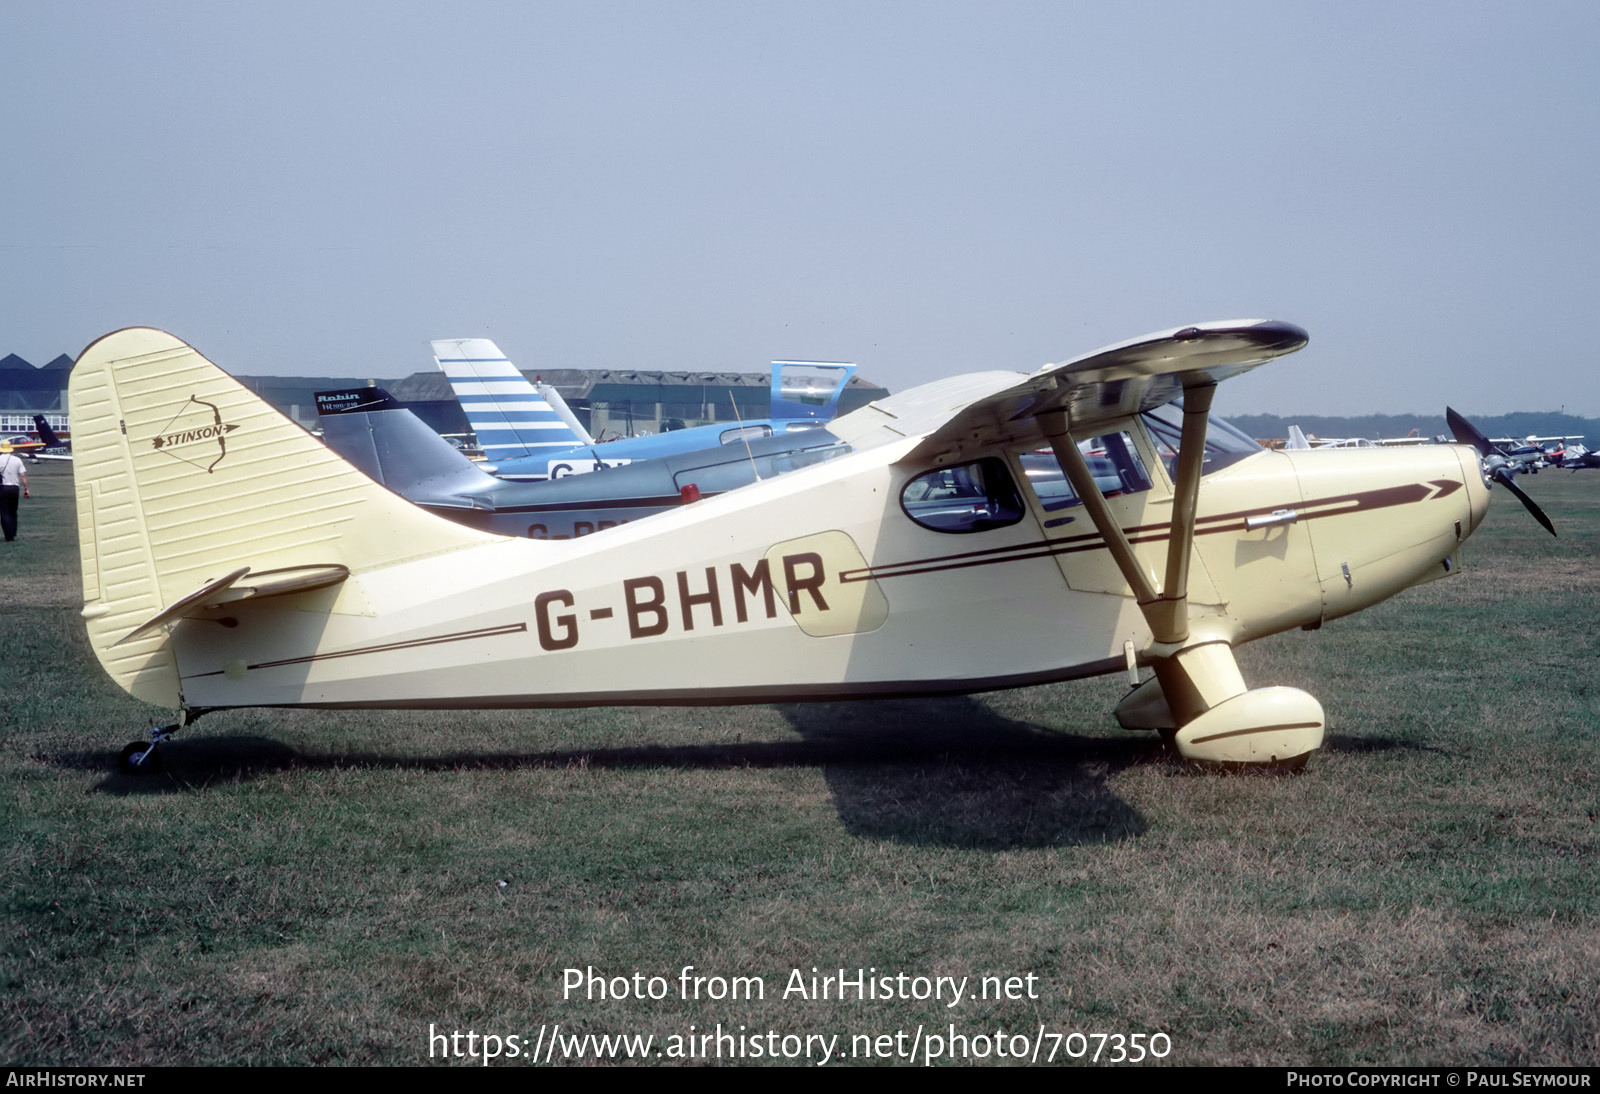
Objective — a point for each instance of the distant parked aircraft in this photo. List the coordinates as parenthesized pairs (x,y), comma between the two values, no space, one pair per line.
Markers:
(1298,440)
(54,447)
(528,433)
(396,448)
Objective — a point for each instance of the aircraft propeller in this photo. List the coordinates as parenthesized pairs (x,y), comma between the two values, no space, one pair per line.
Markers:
(1496,467)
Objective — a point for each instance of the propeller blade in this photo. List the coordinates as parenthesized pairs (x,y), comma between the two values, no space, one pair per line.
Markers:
(1467,433)
(1495,464)
(1503,477)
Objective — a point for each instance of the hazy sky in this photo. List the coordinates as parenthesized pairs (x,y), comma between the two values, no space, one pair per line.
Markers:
(925,188)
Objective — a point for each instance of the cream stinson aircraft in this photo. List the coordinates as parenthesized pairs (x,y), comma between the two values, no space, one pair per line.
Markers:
(992,530)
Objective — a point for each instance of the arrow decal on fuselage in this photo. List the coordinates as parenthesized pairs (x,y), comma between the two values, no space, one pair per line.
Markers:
(1339,505)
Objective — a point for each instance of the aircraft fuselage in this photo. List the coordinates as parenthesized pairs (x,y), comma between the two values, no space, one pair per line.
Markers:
(823,583)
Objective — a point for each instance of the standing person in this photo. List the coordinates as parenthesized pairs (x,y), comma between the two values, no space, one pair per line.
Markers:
(13,486)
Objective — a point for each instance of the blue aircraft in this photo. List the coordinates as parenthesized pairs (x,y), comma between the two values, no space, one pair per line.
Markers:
(528,434)
(392,445)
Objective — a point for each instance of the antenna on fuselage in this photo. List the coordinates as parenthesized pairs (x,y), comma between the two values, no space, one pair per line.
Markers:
(744,435)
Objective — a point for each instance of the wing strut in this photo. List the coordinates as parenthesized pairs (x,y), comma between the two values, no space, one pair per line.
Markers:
(1197,689)
(1173,607)
(1059,430)
(1166,609)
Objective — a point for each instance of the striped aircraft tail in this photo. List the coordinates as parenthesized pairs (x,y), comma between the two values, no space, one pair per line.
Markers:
(511,416)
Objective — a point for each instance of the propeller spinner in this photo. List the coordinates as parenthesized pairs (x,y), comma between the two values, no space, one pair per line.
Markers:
(1496,468)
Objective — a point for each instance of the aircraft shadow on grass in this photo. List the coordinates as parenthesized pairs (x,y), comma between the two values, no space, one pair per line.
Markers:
(945,772)
(953,773)
(936,772)
(1344,742)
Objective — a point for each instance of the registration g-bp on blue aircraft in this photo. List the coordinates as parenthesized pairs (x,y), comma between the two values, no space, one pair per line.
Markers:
(527,433)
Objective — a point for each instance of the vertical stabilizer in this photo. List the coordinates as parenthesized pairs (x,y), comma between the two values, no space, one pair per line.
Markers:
(389,443)
(46,434)
(183,476)
(511,416)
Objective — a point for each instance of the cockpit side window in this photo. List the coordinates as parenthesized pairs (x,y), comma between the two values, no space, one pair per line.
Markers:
(744,433)
(1225,444)
(1113,460)
(969,497)
(795,459)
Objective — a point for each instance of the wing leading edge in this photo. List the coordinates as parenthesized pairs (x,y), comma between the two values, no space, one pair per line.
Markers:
(959,416)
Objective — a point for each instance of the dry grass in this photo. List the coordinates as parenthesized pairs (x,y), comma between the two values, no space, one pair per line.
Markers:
(307,887)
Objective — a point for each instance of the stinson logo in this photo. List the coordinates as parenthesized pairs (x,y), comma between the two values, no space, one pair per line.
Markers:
(195,429)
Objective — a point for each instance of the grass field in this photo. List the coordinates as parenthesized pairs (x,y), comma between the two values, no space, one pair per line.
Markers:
(306,887)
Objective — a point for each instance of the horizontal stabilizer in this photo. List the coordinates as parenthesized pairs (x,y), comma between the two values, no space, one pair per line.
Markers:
(228,590)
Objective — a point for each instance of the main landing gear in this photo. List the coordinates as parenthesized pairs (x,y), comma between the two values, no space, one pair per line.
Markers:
(139,758)
(1197,692)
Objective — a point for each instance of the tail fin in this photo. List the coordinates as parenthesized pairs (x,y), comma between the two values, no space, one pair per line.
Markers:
(46,434)
(1297,439)
(369,428)
(510,416)
(183,477)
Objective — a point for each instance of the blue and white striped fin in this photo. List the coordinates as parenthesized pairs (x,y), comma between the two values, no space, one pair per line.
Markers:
(510,416)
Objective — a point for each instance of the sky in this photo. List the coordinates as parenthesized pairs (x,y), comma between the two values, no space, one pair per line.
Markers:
(925,188)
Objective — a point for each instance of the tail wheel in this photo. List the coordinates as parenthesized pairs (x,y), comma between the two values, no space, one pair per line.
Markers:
(140,758)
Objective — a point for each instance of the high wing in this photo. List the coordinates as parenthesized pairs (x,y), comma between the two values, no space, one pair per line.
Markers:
(973,412)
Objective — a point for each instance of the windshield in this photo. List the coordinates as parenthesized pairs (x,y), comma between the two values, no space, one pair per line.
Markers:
(1225,444)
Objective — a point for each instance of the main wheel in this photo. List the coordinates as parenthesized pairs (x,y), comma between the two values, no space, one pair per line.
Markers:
(151,764)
